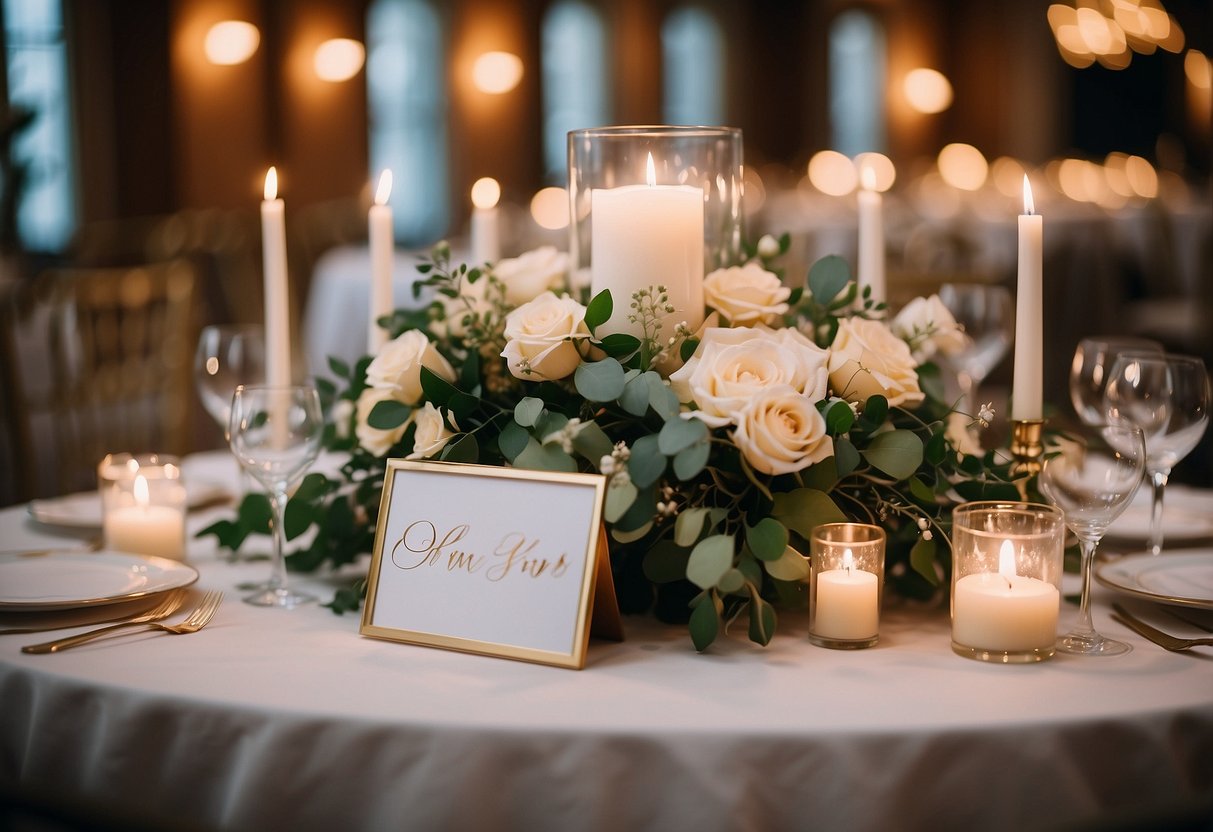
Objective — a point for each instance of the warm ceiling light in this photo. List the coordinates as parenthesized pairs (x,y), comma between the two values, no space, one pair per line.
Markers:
(1199,69)
(485,192)
(832,173)
(497,72)
(550,208)
(231,42)
(962,166)
(928,90)
(338,59)
(880,167)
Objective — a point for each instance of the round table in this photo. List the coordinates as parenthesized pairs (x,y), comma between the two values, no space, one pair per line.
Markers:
(272,719)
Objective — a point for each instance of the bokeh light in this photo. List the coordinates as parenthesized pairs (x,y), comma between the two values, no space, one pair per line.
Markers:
(881,166)
(963,166)
(338,59)
(497,72)
(550,208)
(231,42)
(928,90)
(486,191)
(832,173)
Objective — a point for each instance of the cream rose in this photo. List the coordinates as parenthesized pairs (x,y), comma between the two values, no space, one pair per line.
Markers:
(529,275)
(746,294)
(431,435)
(540,338)
(398,365)
(866,359)
(780,431)
(927,325)
(375,440)
(731,366)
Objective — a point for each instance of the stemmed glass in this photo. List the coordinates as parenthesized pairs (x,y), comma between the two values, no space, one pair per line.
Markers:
(1092,367)
(275,432)
(1167,396)
(1092,480)
(987,314)
(227,356)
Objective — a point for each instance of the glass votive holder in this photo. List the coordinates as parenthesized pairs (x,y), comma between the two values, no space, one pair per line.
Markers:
(143,504)
(654,206)
(846,577)
(1006,580)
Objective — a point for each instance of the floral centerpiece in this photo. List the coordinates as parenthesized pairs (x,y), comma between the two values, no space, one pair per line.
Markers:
(723,447)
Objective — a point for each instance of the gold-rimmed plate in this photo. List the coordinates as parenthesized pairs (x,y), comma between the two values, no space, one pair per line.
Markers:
(68,580)
(1182,577)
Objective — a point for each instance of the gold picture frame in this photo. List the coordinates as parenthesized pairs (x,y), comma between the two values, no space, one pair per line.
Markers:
(496,561)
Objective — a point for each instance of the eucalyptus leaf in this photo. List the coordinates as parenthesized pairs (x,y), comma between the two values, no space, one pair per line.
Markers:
(690,461)
(665,563)
(791,566)
(839,418)
(635,396)
(921,492)
(762,618)
(731,581)
(897,452)
(631,536)
(463,448)
(619,344)
(689,526)
(846,457)
(545,458)
(936,447)
(805,509)
(677,434)
(875,411)
(827,277)
(709,560)
(438,390)
(922,560)
(705,623)
(767,539)
(619,498)
(513,440)
(600,381)
(388,414)
(647,463)
(592,443)
(661,397)
(527,411)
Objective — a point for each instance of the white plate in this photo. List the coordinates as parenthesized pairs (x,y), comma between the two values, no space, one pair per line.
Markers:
(83,510)
(1183,577)
(1187,515)
(64,580)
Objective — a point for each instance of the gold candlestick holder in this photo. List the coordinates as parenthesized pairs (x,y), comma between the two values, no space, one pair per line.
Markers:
(1026,446)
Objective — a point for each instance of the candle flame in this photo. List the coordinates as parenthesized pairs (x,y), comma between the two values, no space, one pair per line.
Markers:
(650,175)
(271,183)
(141,496)
(848,560)
(1006,560)
(385,187)
(867,177)
(1029,204)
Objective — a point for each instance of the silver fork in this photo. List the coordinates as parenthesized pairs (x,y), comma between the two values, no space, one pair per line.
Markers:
(1163,640)
(198,618)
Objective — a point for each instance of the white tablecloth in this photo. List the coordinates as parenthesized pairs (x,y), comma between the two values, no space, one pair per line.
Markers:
(273,719)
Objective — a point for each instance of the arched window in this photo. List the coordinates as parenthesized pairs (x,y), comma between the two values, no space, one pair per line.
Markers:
(857,71)
(407,113)
(692,51)
(574,78)
(42,178)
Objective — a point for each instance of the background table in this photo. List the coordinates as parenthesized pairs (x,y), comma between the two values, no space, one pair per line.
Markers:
(272,719)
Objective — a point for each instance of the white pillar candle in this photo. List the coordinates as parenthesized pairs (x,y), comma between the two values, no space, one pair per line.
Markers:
(486,227)
(1004,611)
(382,247)
(648,235)
(144,528)
(871,237)
(847,603)
(277,297)
(1026,397)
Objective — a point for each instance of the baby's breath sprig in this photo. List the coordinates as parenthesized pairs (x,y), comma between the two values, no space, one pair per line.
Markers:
(649,307)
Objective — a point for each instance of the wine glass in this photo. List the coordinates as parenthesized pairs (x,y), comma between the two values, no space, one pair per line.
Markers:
(275,432)
(987,314)
(1091,368)
(227,356)
(1092,480)
(1167,396)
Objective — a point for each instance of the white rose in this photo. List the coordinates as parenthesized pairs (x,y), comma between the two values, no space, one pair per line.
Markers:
(780,431)
(927,325)
(746,294)
(529,275)
(540,338)
(375,440)
(730,366)
(398,365)
(866,359)
(431,434)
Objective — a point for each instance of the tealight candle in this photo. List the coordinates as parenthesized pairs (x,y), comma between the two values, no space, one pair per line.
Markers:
(143,503)
(1006,570)
(845,575)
